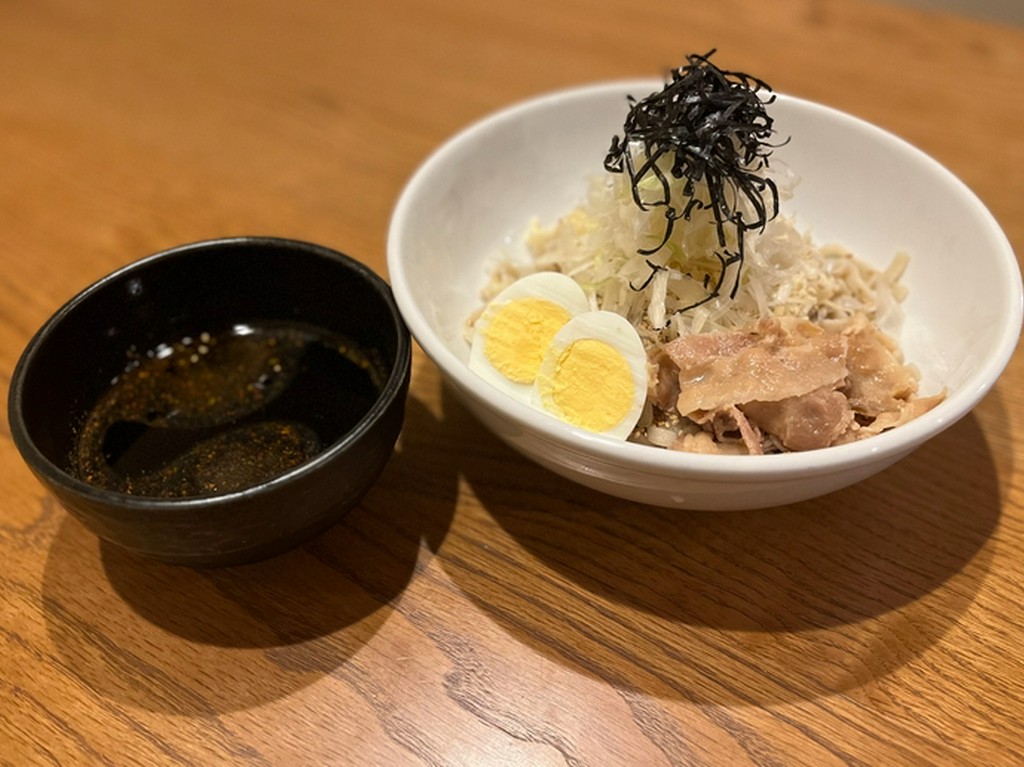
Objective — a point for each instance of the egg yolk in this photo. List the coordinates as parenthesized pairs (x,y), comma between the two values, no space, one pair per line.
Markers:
(518,335)
(591,385)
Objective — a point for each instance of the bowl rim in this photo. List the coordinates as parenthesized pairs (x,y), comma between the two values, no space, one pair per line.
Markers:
(52,473)
(886,446)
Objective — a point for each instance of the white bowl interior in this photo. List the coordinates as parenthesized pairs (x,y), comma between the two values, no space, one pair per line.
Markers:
(471,202)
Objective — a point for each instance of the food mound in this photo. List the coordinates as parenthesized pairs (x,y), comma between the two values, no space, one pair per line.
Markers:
(757,339)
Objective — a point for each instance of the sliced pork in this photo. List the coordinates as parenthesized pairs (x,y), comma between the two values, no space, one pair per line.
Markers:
(785,384)
(807,422)
(879,381)
(777,360)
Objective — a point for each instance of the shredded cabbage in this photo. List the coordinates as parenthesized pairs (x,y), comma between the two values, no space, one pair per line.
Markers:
(784,272)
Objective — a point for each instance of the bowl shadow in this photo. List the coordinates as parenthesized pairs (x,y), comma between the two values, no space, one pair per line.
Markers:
(748,607)
(206,641)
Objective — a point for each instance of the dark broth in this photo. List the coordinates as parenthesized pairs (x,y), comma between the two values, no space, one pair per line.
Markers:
(219,413)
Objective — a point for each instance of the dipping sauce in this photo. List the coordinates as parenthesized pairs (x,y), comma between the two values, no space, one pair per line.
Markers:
(216,413)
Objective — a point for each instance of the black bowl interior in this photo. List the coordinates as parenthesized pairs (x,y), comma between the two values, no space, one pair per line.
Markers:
(207,287)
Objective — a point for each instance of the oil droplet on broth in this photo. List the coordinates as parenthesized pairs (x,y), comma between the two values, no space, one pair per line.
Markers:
(217,413)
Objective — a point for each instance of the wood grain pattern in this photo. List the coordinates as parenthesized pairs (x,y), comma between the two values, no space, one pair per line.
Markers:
(474,609)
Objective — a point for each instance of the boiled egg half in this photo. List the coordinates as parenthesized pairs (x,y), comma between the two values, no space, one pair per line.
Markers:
(594,374)
(516,328)
(539,341)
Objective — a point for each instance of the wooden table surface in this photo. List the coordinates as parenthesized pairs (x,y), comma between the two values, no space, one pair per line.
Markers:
(475,609)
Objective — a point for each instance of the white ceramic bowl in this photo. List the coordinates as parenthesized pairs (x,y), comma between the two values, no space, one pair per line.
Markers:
(473,198)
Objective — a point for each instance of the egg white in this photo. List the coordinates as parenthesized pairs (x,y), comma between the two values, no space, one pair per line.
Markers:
(622,337)
(559,289)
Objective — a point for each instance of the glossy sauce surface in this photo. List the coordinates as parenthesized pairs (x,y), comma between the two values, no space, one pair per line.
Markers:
(220,412)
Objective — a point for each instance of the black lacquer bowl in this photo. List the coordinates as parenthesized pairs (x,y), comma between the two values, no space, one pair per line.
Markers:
(227,283)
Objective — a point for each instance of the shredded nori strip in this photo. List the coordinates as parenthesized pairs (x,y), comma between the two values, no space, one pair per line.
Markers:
(714,127)
(655,268)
